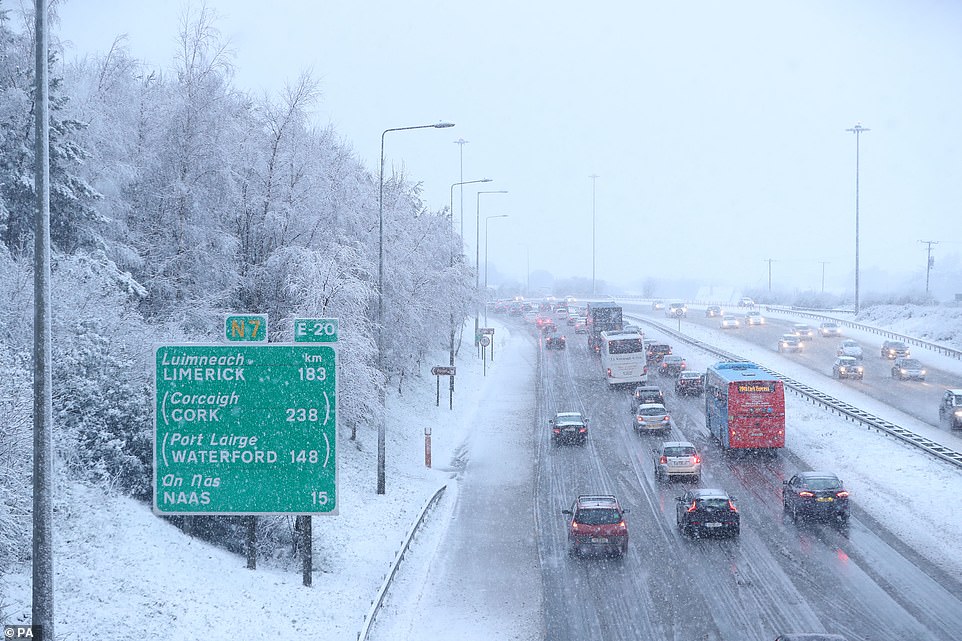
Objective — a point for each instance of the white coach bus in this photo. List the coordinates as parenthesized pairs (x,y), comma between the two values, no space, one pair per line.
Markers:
(623,358)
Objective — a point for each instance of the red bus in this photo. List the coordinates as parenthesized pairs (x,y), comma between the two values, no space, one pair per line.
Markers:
(744,406)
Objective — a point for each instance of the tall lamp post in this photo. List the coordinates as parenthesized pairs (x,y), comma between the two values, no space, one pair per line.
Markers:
(486,219)
(463,182)
(380,297)
(594,179)
(477,257)
(857,130)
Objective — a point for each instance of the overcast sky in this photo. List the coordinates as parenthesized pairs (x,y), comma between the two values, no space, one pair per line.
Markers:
(717,129)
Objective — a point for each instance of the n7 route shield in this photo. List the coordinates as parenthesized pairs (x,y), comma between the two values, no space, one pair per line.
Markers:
(245,429)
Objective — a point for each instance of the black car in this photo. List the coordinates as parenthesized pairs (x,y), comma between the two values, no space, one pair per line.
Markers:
(645,394)
(712,311)
(553,339)
(657,351)
(569,427)
(707,511)
(690,384)
(815,494)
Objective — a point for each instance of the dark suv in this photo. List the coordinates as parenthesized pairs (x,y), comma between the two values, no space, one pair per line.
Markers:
(644,394)
(657,351)
(815,494)
(597,523)
(690,384)
(707,511)
(895,349)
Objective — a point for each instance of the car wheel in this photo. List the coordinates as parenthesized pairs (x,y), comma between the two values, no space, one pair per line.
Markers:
(794,514)
(697,478)
(736,531)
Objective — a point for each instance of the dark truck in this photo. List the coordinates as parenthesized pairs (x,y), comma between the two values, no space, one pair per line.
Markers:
(603,317)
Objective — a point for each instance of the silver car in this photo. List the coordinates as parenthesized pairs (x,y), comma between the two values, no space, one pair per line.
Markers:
(904,368)
(849,347)
(677,458)
(651,417)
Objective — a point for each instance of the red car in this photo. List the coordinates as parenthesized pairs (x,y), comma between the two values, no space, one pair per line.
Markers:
(596,523)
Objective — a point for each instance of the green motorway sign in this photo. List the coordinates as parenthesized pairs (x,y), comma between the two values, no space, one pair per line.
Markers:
(245,429)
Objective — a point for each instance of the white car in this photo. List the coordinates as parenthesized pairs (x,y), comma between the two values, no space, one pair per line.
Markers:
(677,458)
(730,322)
(754,318)
(849,347)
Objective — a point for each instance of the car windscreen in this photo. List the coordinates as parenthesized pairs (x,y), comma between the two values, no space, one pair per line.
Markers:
(911,363)
(598,516)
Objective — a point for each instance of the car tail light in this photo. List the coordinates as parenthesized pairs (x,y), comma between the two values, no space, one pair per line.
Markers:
(731,507)
(696,459)
(693,507)
(806,494)
(663,460)
(574,525)
(557,430)
(842,495)
(646,369)
(622,525)
(583,429)
(609,372)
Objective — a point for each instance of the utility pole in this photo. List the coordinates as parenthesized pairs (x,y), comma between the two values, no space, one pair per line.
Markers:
(770,261)
(824,262)
(42,611)
(929,261)
(857,130)
(594,179)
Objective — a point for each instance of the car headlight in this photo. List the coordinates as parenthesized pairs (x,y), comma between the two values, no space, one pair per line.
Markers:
(958,413)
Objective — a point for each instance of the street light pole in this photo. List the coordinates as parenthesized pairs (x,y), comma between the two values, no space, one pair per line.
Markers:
(486,219)
(594,179)
(477,258)
(451,211)
(857,130)
(380,300)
